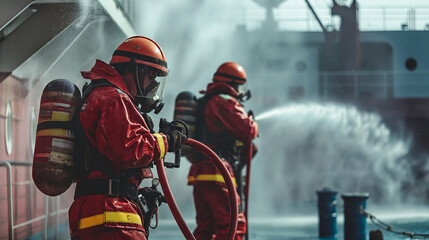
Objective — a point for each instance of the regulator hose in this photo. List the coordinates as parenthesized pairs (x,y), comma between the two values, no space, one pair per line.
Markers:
(226,176)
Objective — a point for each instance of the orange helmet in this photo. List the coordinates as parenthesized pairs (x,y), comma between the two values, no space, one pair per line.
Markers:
(143,50)
(230,72)
(144,58)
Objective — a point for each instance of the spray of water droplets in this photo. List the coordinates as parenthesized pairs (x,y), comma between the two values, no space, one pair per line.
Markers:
(305,147)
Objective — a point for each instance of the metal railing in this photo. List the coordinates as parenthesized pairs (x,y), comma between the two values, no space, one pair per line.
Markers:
(10,206)
(297,17)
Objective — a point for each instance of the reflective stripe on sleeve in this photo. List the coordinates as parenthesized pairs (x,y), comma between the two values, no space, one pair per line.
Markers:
(160,144)
(111,217)
(210,177)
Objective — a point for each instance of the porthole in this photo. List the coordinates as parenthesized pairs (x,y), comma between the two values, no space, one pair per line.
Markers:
(9,128)
(411,64)
(33,129)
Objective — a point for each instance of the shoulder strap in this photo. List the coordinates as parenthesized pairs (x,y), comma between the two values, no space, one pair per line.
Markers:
(223,141)
(88,88)
(201,126)
(84,152)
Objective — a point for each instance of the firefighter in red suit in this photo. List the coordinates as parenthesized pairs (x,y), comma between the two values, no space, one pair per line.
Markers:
(227,127)
(120,142)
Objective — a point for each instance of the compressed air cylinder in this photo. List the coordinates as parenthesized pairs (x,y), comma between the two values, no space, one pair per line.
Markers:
(185,109)
(53,155)
(354,220)
(327,205)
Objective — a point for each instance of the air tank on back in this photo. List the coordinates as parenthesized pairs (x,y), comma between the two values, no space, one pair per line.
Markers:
(185,109)
(53,155)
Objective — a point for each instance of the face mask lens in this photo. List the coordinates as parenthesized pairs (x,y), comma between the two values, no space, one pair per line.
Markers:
(242,89)
(244,92)
(160,87)
(155,90)
(152,88)
(151,85)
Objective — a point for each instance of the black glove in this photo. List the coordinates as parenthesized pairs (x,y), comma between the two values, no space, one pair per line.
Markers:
(251,114)
(152,198)
(175,139)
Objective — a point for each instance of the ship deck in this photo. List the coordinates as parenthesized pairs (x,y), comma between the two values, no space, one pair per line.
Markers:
(301,228)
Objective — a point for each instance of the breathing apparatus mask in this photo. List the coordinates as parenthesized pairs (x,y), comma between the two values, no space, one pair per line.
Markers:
(150,88)
(244,93)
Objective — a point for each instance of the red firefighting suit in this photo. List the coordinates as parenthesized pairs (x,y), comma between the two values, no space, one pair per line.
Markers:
(114,126)
(223,113)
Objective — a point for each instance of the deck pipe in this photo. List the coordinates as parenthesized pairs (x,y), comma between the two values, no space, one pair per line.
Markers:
(327,205)
(354,220)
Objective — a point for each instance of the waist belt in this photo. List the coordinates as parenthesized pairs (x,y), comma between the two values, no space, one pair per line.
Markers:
(110,187)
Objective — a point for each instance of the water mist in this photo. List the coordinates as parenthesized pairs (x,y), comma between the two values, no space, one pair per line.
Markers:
(305,147)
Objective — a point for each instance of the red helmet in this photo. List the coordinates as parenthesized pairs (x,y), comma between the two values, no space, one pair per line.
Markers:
(143,50)
(230,72)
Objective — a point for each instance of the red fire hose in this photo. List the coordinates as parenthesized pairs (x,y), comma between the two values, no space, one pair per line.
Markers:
(246,188)
(226,176)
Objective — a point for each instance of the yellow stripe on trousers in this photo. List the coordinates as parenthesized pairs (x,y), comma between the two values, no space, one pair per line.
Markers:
(210,177)
(111,217)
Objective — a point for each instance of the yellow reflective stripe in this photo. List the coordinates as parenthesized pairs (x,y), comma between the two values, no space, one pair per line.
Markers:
(60,116)
(161,144)
(52,132)
(121,217)
(91,221)
(210,177)
(112,217)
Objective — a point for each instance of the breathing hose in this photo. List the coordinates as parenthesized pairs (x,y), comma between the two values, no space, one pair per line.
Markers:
(226,176)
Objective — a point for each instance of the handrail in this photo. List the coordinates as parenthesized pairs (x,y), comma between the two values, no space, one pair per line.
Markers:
(374,18)
(11,226)
(9,197)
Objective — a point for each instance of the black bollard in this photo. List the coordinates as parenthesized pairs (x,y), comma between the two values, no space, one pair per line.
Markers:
(354,220)
(327,204)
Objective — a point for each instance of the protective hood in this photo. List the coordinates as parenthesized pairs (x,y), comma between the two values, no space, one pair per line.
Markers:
(102,70)
(220,87)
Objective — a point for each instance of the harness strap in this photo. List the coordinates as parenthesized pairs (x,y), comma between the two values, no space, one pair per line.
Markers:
(55,124)
(110,187)
(109,217)
(222,143)
(87,158)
